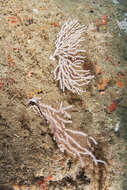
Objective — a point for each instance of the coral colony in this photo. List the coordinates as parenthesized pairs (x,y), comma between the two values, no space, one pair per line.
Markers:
(70,75)
(73,142)
(69,70)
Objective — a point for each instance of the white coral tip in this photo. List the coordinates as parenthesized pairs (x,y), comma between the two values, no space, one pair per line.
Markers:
(52,58)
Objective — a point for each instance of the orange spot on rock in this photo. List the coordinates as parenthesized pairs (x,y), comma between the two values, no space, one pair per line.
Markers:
(55,24)
(104,19)
(103,84)
(98,70)
(112,106)
(49,178)
(11,62)
(120,84)
(12,19)
(107,58)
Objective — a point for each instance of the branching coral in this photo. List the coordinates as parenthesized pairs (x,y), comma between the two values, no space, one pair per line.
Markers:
(73,142)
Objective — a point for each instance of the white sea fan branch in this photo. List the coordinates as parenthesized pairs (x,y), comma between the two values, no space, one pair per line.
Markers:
(68,140)
(69,70)
(69,57)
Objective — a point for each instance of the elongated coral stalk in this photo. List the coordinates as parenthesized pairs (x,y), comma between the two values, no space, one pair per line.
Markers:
(75,143)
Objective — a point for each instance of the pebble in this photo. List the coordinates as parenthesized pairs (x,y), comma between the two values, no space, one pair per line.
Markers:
(115,1)
(35,11)
(117,127)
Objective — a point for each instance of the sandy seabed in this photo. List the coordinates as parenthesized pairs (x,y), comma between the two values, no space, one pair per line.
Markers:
(28,153)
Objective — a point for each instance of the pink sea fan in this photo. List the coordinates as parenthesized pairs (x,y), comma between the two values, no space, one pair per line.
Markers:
(75,143)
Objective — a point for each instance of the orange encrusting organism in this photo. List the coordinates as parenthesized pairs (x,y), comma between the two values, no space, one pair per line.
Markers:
(104,19)
(112,106)
(12,19)
(11,62)
(103,84)
(55,24)
(102,22)
(120,84)
(98,70)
